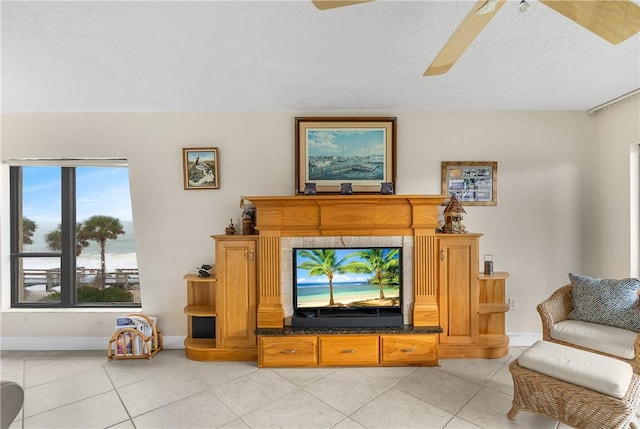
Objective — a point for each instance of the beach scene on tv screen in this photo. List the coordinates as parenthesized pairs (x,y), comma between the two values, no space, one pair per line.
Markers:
(362,277)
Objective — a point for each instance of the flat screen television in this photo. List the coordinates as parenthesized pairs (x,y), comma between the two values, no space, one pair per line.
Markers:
(354,286)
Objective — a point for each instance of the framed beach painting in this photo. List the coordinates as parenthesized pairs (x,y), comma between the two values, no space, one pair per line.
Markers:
(200,168)
(473,183)
(332,151)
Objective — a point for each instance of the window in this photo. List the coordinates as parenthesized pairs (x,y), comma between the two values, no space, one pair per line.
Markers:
(72,238)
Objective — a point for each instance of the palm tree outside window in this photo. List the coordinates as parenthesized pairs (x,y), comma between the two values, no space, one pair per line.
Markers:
(72,236)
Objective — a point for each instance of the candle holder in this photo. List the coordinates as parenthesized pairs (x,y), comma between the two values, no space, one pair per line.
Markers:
(310,189)
(488,264)
(386,188)
(346,189)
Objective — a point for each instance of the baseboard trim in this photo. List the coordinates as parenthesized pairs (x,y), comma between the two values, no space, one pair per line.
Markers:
(516,339)
(523,339)
(73,343)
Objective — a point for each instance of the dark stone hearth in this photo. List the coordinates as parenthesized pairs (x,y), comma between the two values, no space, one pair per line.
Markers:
(407,329)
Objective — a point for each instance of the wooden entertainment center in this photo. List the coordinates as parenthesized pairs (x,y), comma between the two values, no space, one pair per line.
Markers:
(456,311)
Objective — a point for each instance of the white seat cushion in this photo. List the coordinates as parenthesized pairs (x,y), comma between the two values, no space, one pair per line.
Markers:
(603,374)
(606,339)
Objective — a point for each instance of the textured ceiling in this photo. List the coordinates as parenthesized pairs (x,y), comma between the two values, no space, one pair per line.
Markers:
(267,55)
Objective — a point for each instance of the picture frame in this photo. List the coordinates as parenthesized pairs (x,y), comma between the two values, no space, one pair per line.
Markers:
(200,168)
(474,183)
(330,151)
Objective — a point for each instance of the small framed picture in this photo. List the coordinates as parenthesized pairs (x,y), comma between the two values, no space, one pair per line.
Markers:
(473,183)
(200,168)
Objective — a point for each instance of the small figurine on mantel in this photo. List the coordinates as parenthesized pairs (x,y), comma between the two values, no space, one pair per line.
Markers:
(230,229)
(248,224)
(248,216)
(453,217)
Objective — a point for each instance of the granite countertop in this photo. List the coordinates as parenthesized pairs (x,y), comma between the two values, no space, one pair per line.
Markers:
(288,330)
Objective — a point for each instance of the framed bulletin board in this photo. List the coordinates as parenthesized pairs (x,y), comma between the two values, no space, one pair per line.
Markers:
(473,183)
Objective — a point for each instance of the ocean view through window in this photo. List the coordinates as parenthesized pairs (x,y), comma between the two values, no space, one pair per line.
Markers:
(72,241)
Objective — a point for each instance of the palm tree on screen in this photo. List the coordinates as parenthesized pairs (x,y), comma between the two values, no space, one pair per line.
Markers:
(383,264)
(323,262)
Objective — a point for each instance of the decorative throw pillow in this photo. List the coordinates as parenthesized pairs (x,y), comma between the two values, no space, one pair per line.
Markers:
(605,301)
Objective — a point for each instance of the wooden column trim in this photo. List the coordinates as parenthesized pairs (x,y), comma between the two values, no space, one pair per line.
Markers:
(270,311)
(425,287)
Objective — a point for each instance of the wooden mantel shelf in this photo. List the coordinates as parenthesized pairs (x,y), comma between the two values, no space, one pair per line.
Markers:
(359,214)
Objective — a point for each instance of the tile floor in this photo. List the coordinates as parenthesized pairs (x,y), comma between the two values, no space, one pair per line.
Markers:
(82,389)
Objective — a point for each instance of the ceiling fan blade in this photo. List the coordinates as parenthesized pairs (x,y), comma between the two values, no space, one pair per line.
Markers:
(331,4)
(467,31)
(613,20)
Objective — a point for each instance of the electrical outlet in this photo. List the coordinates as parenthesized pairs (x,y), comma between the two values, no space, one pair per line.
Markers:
(513,303)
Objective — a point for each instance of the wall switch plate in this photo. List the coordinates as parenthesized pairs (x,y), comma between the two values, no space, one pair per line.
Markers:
(513,303)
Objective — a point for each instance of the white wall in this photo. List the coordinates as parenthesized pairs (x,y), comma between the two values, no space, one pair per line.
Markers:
(541,229)
(634,201)
(617,128)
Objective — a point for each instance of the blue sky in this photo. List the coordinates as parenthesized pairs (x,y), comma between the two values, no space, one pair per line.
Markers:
(205,155)
(100,191)
(345,142)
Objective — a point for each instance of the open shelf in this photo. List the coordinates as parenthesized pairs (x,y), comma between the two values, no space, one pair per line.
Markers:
(500,307)
(197,279)
(200,343)
(200,310)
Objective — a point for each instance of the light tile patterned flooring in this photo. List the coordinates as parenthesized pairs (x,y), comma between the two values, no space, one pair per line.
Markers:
(82,389)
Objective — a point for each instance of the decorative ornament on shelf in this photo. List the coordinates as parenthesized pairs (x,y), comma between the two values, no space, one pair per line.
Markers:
(248,223)
(310,188)
(453,217)
(346,189)
(248,217)
(230,229)
(488,264)
(204,270)
(386,188)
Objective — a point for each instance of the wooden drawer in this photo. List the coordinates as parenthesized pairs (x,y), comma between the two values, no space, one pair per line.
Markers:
(349,350)
(288,351)
(409,349)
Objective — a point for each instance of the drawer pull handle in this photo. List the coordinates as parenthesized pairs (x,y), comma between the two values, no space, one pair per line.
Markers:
(411,350)
(287,351)
(348,351)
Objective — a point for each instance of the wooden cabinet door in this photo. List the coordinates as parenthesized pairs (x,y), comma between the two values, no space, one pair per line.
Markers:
(236,298)
(458,300)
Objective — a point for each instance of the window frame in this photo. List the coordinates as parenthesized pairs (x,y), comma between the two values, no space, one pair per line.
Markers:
(68,284)
(634,209)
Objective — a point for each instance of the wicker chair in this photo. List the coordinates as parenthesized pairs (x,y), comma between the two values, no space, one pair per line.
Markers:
(556,308)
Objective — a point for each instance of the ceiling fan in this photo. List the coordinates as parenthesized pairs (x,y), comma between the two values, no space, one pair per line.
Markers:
(613,20)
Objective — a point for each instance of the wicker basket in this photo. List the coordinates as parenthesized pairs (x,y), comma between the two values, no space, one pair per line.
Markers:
(573,405)
(145,346)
